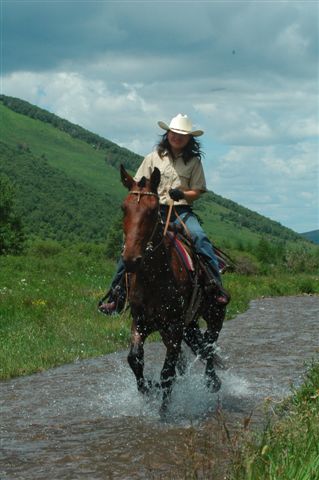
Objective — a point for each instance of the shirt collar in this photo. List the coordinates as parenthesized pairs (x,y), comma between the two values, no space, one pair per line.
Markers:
(166,153)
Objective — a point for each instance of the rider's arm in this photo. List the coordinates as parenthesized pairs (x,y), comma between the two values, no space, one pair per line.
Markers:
(192,195)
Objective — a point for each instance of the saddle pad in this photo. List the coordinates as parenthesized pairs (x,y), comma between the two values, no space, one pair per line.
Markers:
(182,252)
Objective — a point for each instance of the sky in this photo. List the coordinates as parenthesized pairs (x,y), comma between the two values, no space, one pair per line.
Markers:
(245,72)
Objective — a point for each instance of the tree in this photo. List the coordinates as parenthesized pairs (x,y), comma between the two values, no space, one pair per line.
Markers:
(11,229)
(264,251)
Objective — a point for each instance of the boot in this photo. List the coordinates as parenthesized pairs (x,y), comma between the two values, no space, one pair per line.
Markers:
(108,308)
(115,303)
(221,296)
(213,285)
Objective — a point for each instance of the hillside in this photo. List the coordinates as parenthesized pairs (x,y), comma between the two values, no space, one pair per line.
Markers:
(51,204)
(313,236)
(68,186)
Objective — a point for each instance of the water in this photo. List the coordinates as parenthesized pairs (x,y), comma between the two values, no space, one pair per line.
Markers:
(86,420)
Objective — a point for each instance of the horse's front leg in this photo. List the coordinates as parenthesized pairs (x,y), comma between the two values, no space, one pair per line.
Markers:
(136,356)
(214,318)
(172,341)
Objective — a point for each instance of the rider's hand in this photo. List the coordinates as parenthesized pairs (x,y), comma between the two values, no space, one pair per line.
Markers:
(176,194)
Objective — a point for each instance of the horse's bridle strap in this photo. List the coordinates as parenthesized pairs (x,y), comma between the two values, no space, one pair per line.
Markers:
(139,193)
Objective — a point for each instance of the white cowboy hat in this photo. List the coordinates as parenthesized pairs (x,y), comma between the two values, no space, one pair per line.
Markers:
(181,124)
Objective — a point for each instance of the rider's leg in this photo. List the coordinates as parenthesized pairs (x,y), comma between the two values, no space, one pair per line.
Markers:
(116,297)
(205,248)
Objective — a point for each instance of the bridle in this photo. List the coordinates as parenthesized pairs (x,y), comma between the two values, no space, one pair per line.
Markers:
(139,194)
(149,245)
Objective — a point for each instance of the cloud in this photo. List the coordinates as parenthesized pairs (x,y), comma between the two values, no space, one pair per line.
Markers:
(56,32)
(279,182)
(117,115)
(246,72)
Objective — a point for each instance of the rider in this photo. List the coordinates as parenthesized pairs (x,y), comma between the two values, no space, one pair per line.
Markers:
(178,157)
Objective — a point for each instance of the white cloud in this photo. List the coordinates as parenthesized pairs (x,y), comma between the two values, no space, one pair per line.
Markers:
(291,39)
(246,72)
(119,116)
(279,182)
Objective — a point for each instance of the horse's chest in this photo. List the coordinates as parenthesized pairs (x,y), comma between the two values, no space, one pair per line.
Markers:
(164,304)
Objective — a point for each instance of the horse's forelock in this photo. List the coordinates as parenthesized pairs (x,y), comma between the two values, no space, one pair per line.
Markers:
(142,182)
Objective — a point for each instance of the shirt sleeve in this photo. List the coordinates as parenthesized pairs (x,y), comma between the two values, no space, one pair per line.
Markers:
(197,180)
(145,169)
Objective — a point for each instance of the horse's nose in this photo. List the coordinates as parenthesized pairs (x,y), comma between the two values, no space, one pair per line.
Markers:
(132,264)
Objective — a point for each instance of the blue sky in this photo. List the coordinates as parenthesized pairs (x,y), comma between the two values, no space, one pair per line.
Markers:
(246,72)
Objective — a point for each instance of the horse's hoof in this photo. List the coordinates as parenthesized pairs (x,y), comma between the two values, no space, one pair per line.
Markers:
(214,383)
(163,412)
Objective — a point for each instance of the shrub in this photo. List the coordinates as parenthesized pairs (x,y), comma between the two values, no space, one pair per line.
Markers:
(46,248)
(12,235)
(246,265)
(306,285)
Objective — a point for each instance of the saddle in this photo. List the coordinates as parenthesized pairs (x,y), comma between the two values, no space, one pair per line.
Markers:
(188,255)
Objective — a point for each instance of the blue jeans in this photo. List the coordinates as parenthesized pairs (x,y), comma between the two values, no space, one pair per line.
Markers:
(202,244)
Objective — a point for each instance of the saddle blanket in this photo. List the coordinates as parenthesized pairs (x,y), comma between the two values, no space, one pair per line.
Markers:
(182,252)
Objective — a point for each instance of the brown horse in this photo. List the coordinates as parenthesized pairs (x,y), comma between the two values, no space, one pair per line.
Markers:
(161,290)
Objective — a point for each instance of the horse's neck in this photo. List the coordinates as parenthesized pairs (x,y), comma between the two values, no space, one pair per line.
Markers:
(157,264)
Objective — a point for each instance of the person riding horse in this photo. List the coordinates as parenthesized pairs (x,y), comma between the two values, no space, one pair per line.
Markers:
(178,158)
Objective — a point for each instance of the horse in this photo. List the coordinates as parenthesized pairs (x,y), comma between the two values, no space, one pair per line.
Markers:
(161,292)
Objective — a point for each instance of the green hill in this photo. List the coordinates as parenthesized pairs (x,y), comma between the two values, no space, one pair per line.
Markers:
(313,236)
(68,184)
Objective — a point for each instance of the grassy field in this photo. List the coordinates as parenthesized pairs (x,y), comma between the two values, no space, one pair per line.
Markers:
(288,448)
(74,157)
(48,317)
(48,305)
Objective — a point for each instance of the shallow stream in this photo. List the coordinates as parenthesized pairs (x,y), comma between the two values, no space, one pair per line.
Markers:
(86,421)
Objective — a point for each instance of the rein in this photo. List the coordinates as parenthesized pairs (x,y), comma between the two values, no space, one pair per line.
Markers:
(196,297)
(149,245)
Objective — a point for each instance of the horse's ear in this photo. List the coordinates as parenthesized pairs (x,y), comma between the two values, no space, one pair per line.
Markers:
(155,179)
(126,178)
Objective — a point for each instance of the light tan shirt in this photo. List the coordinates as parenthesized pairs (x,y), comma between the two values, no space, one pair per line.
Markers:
(174,174)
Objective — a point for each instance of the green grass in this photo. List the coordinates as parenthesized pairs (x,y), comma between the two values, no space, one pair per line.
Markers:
(288,449)
(76,158)
(48,317)
(48,311)
(48,305)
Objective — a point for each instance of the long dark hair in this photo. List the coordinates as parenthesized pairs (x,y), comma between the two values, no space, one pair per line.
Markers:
(192,149)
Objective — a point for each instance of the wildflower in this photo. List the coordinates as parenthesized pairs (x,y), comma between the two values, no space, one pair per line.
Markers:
(315,396)
(39,302)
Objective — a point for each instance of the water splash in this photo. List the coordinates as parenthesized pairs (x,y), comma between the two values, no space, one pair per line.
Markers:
(87,420)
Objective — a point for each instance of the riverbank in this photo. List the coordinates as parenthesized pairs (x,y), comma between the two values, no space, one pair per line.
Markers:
(288,447)
(285,448)
(48,302)
(83,417)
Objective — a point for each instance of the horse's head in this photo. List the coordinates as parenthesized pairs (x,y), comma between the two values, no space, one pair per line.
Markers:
(141,215)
